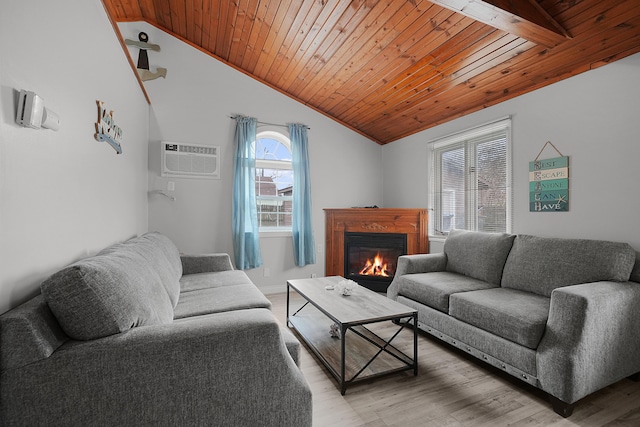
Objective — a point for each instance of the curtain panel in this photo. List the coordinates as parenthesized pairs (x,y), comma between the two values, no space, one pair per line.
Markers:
(302,227)
(246,242)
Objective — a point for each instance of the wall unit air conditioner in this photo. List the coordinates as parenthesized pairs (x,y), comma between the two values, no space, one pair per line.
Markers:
(190,160)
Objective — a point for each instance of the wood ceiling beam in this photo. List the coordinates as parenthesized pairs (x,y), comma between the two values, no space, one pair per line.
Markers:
(523,18)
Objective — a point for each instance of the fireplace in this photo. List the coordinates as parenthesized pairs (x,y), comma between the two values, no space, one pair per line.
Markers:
(370,258)
(357,235)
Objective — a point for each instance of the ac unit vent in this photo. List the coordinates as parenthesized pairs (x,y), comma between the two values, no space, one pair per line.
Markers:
(190,160)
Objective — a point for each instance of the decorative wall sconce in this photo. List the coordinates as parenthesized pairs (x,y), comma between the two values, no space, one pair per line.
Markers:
(143,58)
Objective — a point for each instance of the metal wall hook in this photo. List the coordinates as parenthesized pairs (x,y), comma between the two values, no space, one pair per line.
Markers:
(162,193)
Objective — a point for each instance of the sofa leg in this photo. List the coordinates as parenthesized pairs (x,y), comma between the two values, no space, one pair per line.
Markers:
(635,377)
(561,408)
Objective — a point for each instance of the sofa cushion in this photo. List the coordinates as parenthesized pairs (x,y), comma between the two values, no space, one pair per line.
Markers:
(464,335)
(220,299)
(109,293)
(292,343)
(203,263)
(194,282)
(541,264)
(161,254)
(517,316)
(477,254)
(434,289)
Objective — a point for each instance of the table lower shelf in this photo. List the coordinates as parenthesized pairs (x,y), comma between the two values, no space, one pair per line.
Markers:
(314,327)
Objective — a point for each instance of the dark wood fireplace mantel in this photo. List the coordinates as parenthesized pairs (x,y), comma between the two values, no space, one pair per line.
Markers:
(412,222)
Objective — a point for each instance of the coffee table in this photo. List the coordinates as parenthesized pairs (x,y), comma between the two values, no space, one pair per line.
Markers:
(355,353)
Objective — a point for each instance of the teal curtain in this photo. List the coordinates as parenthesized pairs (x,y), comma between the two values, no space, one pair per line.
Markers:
(246,242)
(303,244)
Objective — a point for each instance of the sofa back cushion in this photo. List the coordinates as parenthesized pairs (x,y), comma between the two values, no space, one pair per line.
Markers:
(541,264)
(161,254)
(122,287)
(477,254)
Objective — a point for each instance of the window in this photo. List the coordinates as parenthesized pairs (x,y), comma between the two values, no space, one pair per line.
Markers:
(472,180)
(274,181)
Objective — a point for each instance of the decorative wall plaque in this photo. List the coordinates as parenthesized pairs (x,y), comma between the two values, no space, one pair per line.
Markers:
(106,129)
(549,184)
(143,58)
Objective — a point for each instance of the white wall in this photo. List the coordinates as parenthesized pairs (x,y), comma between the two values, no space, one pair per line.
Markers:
(193,105)
(63,195)
(594,118)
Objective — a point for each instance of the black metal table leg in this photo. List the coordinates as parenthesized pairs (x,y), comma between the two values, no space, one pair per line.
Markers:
(415,344)
(343,338)
(287,319)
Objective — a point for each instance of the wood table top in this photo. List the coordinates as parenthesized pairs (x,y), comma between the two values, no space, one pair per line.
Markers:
(362,306)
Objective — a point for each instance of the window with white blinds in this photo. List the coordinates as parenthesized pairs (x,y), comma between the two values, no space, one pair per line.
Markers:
(472,179)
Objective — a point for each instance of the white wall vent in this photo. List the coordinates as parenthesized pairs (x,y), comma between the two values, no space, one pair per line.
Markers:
(190,160)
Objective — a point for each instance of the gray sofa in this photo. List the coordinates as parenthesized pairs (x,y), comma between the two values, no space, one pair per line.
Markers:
(560,314)
(138,335)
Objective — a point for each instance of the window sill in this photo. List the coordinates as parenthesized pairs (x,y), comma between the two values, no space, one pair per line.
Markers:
(437,238)
(275,233)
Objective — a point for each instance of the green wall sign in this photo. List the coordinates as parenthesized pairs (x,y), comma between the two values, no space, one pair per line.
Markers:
(549,185)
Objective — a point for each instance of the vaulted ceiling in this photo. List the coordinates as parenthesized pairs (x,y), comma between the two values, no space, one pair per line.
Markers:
(388,69)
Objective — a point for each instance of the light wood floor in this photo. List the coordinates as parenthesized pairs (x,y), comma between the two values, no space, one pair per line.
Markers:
(452,389)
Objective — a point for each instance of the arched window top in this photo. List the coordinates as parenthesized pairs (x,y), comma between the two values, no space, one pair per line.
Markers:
(271,145)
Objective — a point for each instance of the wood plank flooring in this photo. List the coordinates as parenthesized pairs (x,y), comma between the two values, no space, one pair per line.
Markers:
(452,389)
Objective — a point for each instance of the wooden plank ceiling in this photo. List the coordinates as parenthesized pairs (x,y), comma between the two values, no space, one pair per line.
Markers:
(388,69)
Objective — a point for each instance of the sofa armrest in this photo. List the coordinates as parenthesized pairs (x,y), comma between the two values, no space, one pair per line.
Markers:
(205,263)
(421,263)
(417,263)
(227,369)
(591,339)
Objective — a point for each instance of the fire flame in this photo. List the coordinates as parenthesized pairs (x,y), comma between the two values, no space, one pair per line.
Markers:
(376,267)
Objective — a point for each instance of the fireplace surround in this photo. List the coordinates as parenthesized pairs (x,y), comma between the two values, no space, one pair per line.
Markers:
(357,235)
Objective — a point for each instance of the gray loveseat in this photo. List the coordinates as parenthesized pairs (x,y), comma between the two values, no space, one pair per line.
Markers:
(559,314)
(138,335)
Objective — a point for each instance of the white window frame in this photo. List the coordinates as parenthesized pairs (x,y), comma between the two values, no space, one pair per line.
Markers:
(276,165)
(467,139)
